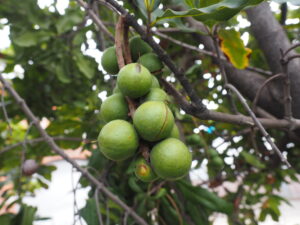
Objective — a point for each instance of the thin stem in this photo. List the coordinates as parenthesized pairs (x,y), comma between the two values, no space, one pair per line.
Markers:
(98,207)
(49,140)
(4,110)
(41,139)
(96,19)
(223,72)
(205,52)
(291,48)
(280,75)
(258,124)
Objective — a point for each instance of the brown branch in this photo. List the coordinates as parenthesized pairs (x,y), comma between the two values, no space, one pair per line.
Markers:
(126,48)
(205,52)
(262,87)
(41,139)
(49,140)
(119,42)
(96,19)
(258,124)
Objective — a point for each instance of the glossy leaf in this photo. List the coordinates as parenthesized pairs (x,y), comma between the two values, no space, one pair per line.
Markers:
(220,11)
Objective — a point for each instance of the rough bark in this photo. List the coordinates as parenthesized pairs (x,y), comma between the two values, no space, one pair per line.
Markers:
(271,38)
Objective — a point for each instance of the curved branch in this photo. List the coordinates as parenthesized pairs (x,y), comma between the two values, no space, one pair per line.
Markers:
(258,124)
(61,152)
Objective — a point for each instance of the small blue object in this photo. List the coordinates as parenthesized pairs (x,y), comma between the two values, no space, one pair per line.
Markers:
(210,129)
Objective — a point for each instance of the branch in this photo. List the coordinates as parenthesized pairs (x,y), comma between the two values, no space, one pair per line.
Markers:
(262,87)
(258,124)
(96,19)
(205,52)
(119,42)
(61,152)
(41,139)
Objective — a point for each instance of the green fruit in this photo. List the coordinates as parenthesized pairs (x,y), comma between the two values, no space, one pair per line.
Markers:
(151,62)
(153,120)
(212,153)
(138,47)
(157,94)
(171,159)
(155,83)
(109,61)
(118,140)
(134,80)
(143,170)
(194,139)
(114,107)
(217,162)
(175,132)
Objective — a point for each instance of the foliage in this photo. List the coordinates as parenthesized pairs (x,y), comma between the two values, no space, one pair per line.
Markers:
(61,83)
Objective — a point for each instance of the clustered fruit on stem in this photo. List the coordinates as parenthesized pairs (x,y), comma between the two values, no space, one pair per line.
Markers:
(150,127)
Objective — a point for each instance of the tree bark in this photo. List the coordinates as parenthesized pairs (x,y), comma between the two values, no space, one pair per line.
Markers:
(272,38)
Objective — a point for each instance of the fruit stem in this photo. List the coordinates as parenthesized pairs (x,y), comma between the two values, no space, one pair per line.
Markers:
(119,42)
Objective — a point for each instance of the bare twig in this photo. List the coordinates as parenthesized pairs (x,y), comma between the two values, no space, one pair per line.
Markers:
(96,19)
(41,139)
(280,75)
(205,52)
(291,48)
(49,140)
(222,69)
(98,207)
(4,110)
(258,124)
(75,205)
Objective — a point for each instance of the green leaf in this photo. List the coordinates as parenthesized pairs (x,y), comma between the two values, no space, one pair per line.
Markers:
(5,219)
(294,2)
(89,212)
(252,160)
(62,74)
(86,65)
(67,22)
(233,47)
(147,5)
(31,38)
(220,11)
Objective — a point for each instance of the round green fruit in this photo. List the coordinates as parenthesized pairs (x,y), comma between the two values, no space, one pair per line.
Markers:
(138,47)
(151,62)
(175,132)
(143,171)
(194,139)
(156,94)
(212,153)
(217,162)
(134,80)
(109,61)
(153,120)
(171,159)
(118,140)
(114,107)
(155,83)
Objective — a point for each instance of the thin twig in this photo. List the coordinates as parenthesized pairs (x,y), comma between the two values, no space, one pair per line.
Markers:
(222,69)
(3,105)
(41,139)
(205,52)
(98,207)
(75,205)
(291,48)
(258,124)
(96,19)
(61,152)
(262,87)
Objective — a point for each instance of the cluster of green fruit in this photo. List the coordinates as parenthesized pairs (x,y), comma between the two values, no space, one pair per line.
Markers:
(151,125)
